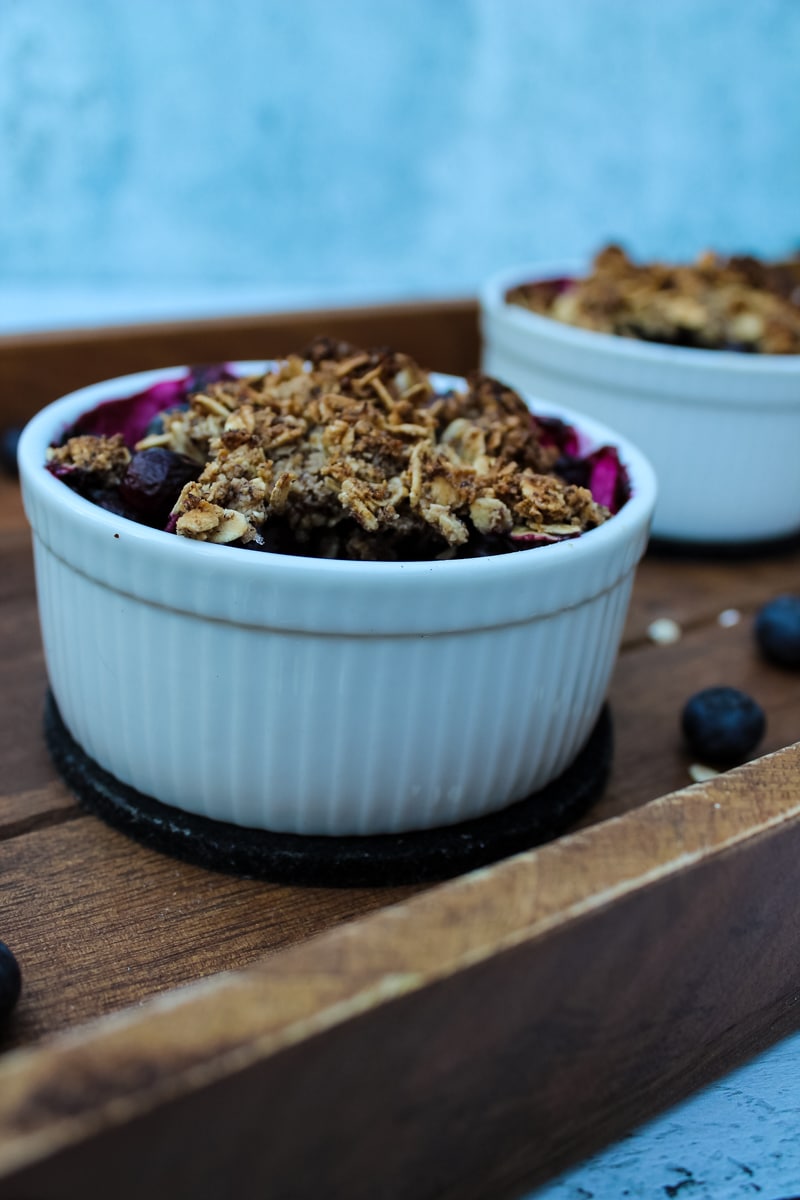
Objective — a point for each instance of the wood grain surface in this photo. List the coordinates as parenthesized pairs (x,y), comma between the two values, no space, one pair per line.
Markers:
(481,1034)
(36,368)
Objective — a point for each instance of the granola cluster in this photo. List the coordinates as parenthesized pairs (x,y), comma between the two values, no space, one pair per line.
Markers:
(737,303)
(105,458)
(345,453)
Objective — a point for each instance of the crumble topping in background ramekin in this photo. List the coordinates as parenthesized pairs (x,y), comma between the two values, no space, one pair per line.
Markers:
(738,303)
(351,454)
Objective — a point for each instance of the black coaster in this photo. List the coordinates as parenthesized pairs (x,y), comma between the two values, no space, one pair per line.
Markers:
(724,551)
(384,859)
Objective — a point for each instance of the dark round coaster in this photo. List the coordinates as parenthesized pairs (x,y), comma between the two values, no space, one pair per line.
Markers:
(384,859)
(724,551)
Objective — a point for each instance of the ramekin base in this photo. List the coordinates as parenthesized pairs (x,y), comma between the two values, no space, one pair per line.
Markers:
(369,861)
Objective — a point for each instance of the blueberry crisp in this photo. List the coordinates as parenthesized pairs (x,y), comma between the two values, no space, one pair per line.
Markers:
(341,453)
(738,303)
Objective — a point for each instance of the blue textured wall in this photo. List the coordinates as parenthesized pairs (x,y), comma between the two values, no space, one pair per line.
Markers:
(347,145)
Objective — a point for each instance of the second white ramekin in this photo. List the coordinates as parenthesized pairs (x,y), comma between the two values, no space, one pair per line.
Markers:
(721,429)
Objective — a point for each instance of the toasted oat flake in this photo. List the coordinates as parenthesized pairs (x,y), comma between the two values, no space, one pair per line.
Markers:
(700,774)
(664,631)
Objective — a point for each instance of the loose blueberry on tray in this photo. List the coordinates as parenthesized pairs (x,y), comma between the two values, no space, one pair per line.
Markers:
(777,631)
(10,981)
(9,440)
(723,725)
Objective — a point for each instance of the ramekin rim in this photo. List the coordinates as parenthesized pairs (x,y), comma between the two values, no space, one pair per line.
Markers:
(40,430)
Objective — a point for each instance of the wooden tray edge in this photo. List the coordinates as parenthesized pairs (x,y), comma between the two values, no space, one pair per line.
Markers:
(72,1089)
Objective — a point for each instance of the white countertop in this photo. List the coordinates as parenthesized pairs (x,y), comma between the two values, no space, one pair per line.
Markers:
(740,1137)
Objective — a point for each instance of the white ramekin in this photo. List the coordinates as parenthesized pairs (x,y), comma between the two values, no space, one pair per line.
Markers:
(721,429)
(312,696)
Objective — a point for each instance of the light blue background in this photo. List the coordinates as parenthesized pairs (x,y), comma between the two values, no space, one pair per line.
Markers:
(178,153)
(169,157)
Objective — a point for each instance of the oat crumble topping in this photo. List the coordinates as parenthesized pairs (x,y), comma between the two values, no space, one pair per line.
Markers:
(104,458)
(345,453)
(738,303)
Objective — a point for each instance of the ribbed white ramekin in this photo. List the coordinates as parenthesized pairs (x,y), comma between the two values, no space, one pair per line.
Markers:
(721,429)
(312,696)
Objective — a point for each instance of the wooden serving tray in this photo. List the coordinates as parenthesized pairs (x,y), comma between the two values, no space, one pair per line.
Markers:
(465,1040)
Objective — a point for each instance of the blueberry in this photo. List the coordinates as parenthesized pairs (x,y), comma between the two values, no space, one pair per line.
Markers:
(9,439)
(203,377)
(156,426)
(10,981)
(111,501)
(777,631)
(153,482)
(722,724)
